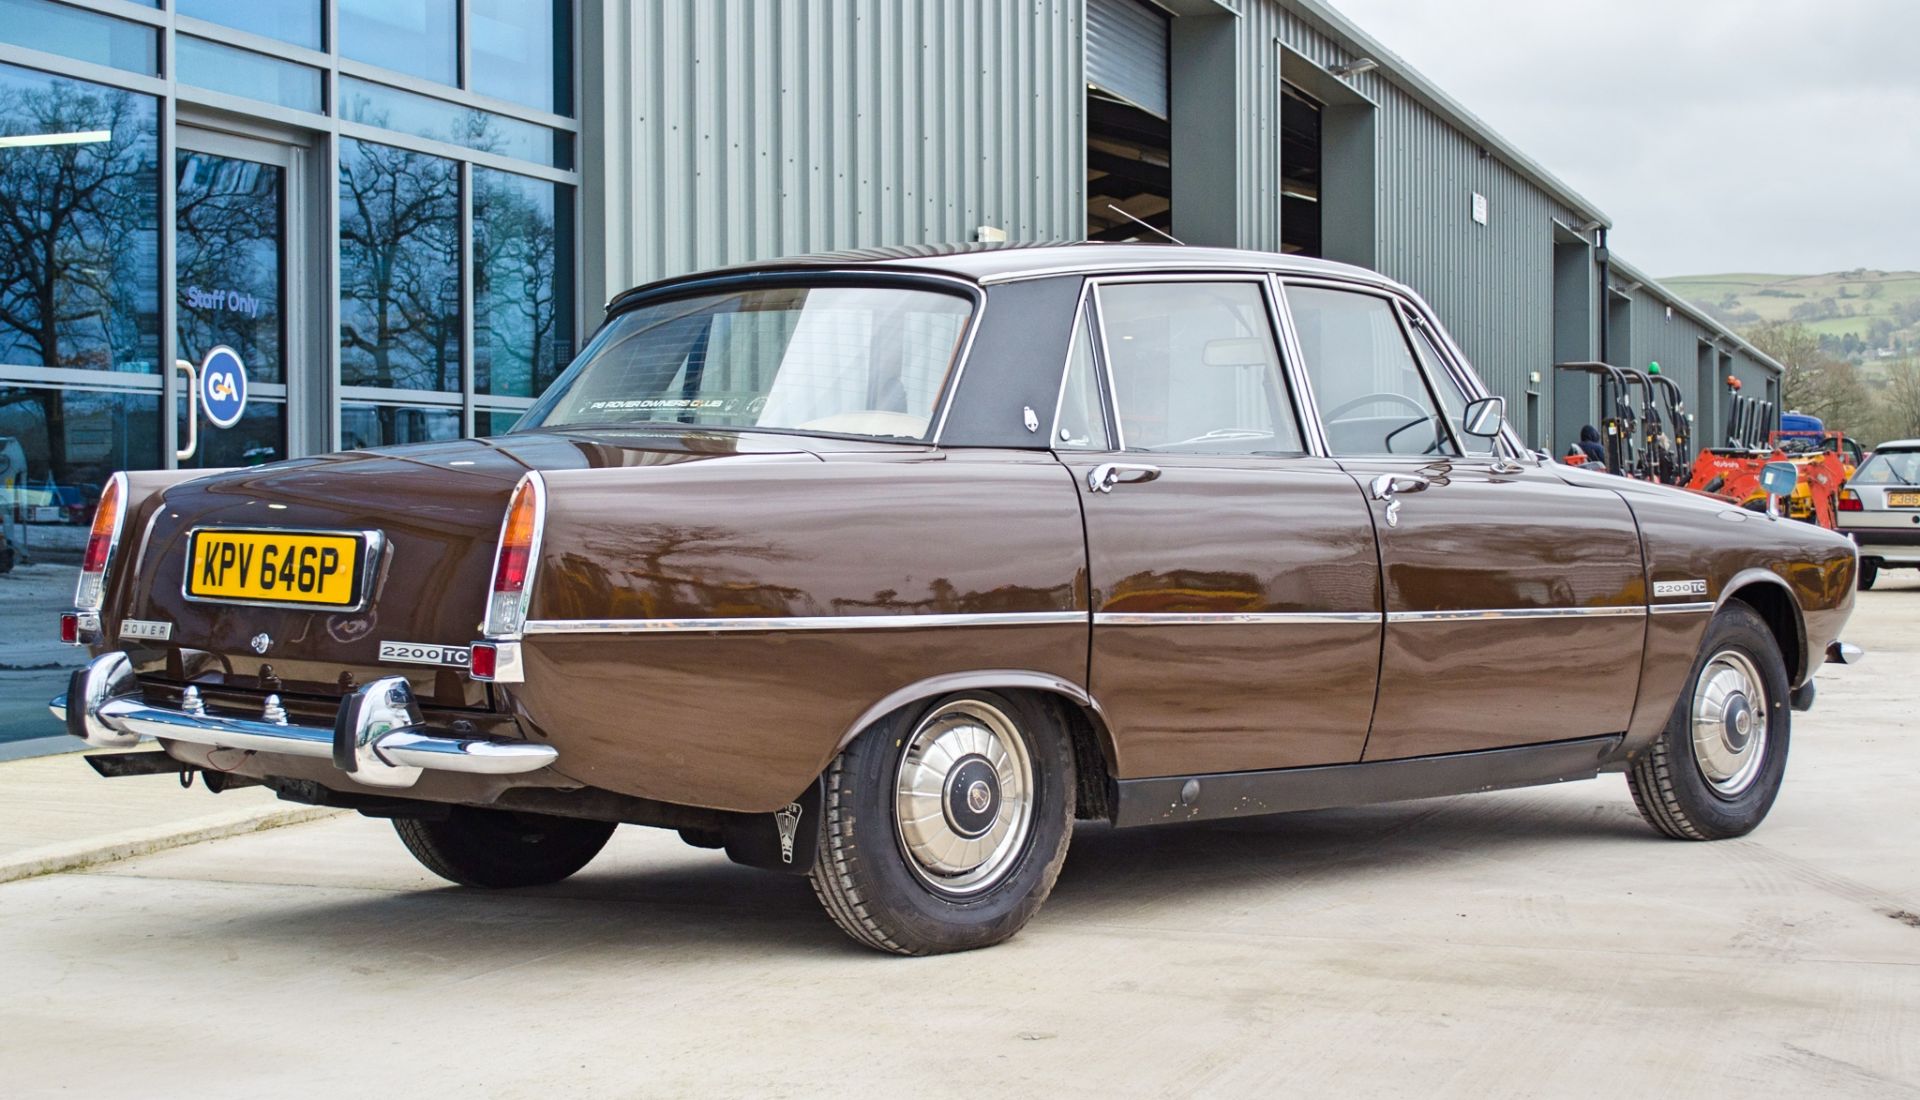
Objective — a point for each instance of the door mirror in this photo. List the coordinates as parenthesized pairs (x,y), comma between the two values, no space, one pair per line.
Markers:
(1484,417)
(1779,478)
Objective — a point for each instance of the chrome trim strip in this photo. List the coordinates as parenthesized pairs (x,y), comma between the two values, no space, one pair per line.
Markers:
(769,623)
(1700,608)
(1516,613)
(1231,618)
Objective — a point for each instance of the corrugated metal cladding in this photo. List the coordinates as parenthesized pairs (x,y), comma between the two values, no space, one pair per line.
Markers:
(1491,284)
(1127,52)
(721,131)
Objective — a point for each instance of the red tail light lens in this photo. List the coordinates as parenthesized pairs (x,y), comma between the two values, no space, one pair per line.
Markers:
(514,559)
(101,539)
(1850,501)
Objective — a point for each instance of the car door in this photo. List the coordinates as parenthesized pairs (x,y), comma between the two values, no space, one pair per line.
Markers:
(1516,604)
(1234,579)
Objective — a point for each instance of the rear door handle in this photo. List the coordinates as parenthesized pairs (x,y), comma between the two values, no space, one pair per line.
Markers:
(1102,478)
(1388,487)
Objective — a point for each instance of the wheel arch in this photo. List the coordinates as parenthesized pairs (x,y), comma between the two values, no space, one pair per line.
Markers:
(1772,599)
(1094,756)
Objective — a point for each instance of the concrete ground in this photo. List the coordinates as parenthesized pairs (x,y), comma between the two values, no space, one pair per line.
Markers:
(1531,943)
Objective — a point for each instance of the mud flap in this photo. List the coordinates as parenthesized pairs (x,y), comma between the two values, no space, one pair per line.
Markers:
(787,840)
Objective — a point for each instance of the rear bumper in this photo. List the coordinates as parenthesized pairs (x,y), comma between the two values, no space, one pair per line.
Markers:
(378,737)
(1886,543)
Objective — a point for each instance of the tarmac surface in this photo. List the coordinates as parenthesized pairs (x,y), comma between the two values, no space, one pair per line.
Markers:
(1527,943)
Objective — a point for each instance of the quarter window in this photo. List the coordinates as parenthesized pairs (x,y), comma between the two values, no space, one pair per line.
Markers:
(1082,423)
(1195,369)
(1452,398)
(1368,386)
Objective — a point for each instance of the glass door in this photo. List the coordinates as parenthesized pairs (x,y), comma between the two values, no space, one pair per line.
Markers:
(231,198)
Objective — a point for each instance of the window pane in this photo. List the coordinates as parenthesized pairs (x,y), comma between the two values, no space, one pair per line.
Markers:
(399,268)
(79,246)
(1195,369)
(82,35)
(1083,423)
(227,233)
(838,359)
(424,116)
(1452,399)
(220,68)
(409,36)
(295,21)
(260,437)
(496,421)
(364,426)
(522,51)
(1369,390)
(522,283)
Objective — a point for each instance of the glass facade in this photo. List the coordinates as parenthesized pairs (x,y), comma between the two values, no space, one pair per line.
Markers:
(396,265)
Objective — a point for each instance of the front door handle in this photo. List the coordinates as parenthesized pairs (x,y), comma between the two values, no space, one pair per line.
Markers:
(1102,478)
(1388,487)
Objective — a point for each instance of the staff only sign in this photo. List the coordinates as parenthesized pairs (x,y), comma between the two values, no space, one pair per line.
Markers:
(223,386)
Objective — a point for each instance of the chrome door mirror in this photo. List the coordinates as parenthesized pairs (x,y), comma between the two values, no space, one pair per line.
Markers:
(1484,417)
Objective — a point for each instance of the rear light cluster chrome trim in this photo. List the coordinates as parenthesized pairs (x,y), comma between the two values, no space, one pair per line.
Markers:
(507,626)
(90,591)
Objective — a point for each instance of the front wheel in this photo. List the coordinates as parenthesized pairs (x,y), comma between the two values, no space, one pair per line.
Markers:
(499,848)
(945,825)
(1715,770)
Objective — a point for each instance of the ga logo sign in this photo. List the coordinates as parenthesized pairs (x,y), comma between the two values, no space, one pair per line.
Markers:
(223,386)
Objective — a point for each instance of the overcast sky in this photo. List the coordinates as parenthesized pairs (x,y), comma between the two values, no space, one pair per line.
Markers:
(1719,135)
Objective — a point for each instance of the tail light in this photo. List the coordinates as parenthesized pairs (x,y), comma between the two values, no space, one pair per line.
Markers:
(515,557)
(101,541)
(1850,501)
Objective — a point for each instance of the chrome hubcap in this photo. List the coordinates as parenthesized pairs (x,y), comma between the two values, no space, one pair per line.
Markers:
(1730,722)
(963,797)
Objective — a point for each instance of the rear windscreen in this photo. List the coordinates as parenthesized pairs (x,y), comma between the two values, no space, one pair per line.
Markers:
(843,360)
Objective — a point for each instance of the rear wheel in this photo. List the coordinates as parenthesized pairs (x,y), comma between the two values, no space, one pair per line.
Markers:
(500,848)
(1716,769)
(1869,572)
(945,826)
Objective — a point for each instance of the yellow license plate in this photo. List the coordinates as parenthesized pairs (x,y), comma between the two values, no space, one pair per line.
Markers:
(1903,500)
(281,567)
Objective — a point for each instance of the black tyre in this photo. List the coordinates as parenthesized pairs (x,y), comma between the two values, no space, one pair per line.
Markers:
(496,849)
(1714,771)
(1869,572)
(945,825)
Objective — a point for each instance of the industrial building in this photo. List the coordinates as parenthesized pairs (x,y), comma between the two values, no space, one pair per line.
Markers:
(403,214)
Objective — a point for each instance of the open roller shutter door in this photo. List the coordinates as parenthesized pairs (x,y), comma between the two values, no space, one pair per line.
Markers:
(1127,52)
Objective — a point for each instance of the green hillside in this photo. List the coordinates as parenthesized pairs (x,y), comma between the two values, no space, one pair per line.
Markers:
(1867,317)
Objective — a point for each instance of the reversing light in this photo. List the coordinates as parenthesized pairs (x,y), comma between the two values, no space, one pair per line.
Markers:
(1850,501)
(101,540)
(515,557)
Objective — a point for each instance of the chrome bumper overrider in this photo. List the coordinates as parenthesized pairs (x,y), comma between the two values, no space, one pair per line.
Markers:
(378,736)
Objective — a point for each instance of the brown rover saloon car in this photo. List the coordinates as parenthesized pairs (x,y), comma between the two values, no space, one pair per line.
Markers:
(884,567)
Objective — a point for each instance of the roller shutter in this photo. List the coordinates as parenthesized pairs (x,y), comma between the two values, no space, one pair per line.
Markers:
(1127,52)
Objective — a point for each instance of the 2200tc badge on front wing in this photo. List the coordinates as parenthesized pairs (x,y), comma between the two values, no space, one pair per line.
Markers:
(320,568)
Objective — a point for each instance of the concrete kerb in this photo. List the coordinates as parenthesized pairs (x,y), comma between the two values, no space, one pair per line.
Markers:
(126,844)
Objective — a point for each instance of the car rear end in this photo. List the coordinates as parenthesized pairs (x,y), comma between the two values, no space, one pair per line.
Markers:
(309,622)
(1880,509)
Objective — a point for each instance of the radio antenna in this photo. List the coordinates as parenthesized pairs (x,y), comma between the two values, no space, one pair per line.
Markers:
(1146,225)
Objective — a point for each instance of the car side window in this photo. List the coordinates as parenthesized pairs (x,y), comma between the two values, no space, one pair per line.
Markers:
(1452,398)
(1365,379)
(1195,369)
(1082,423)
